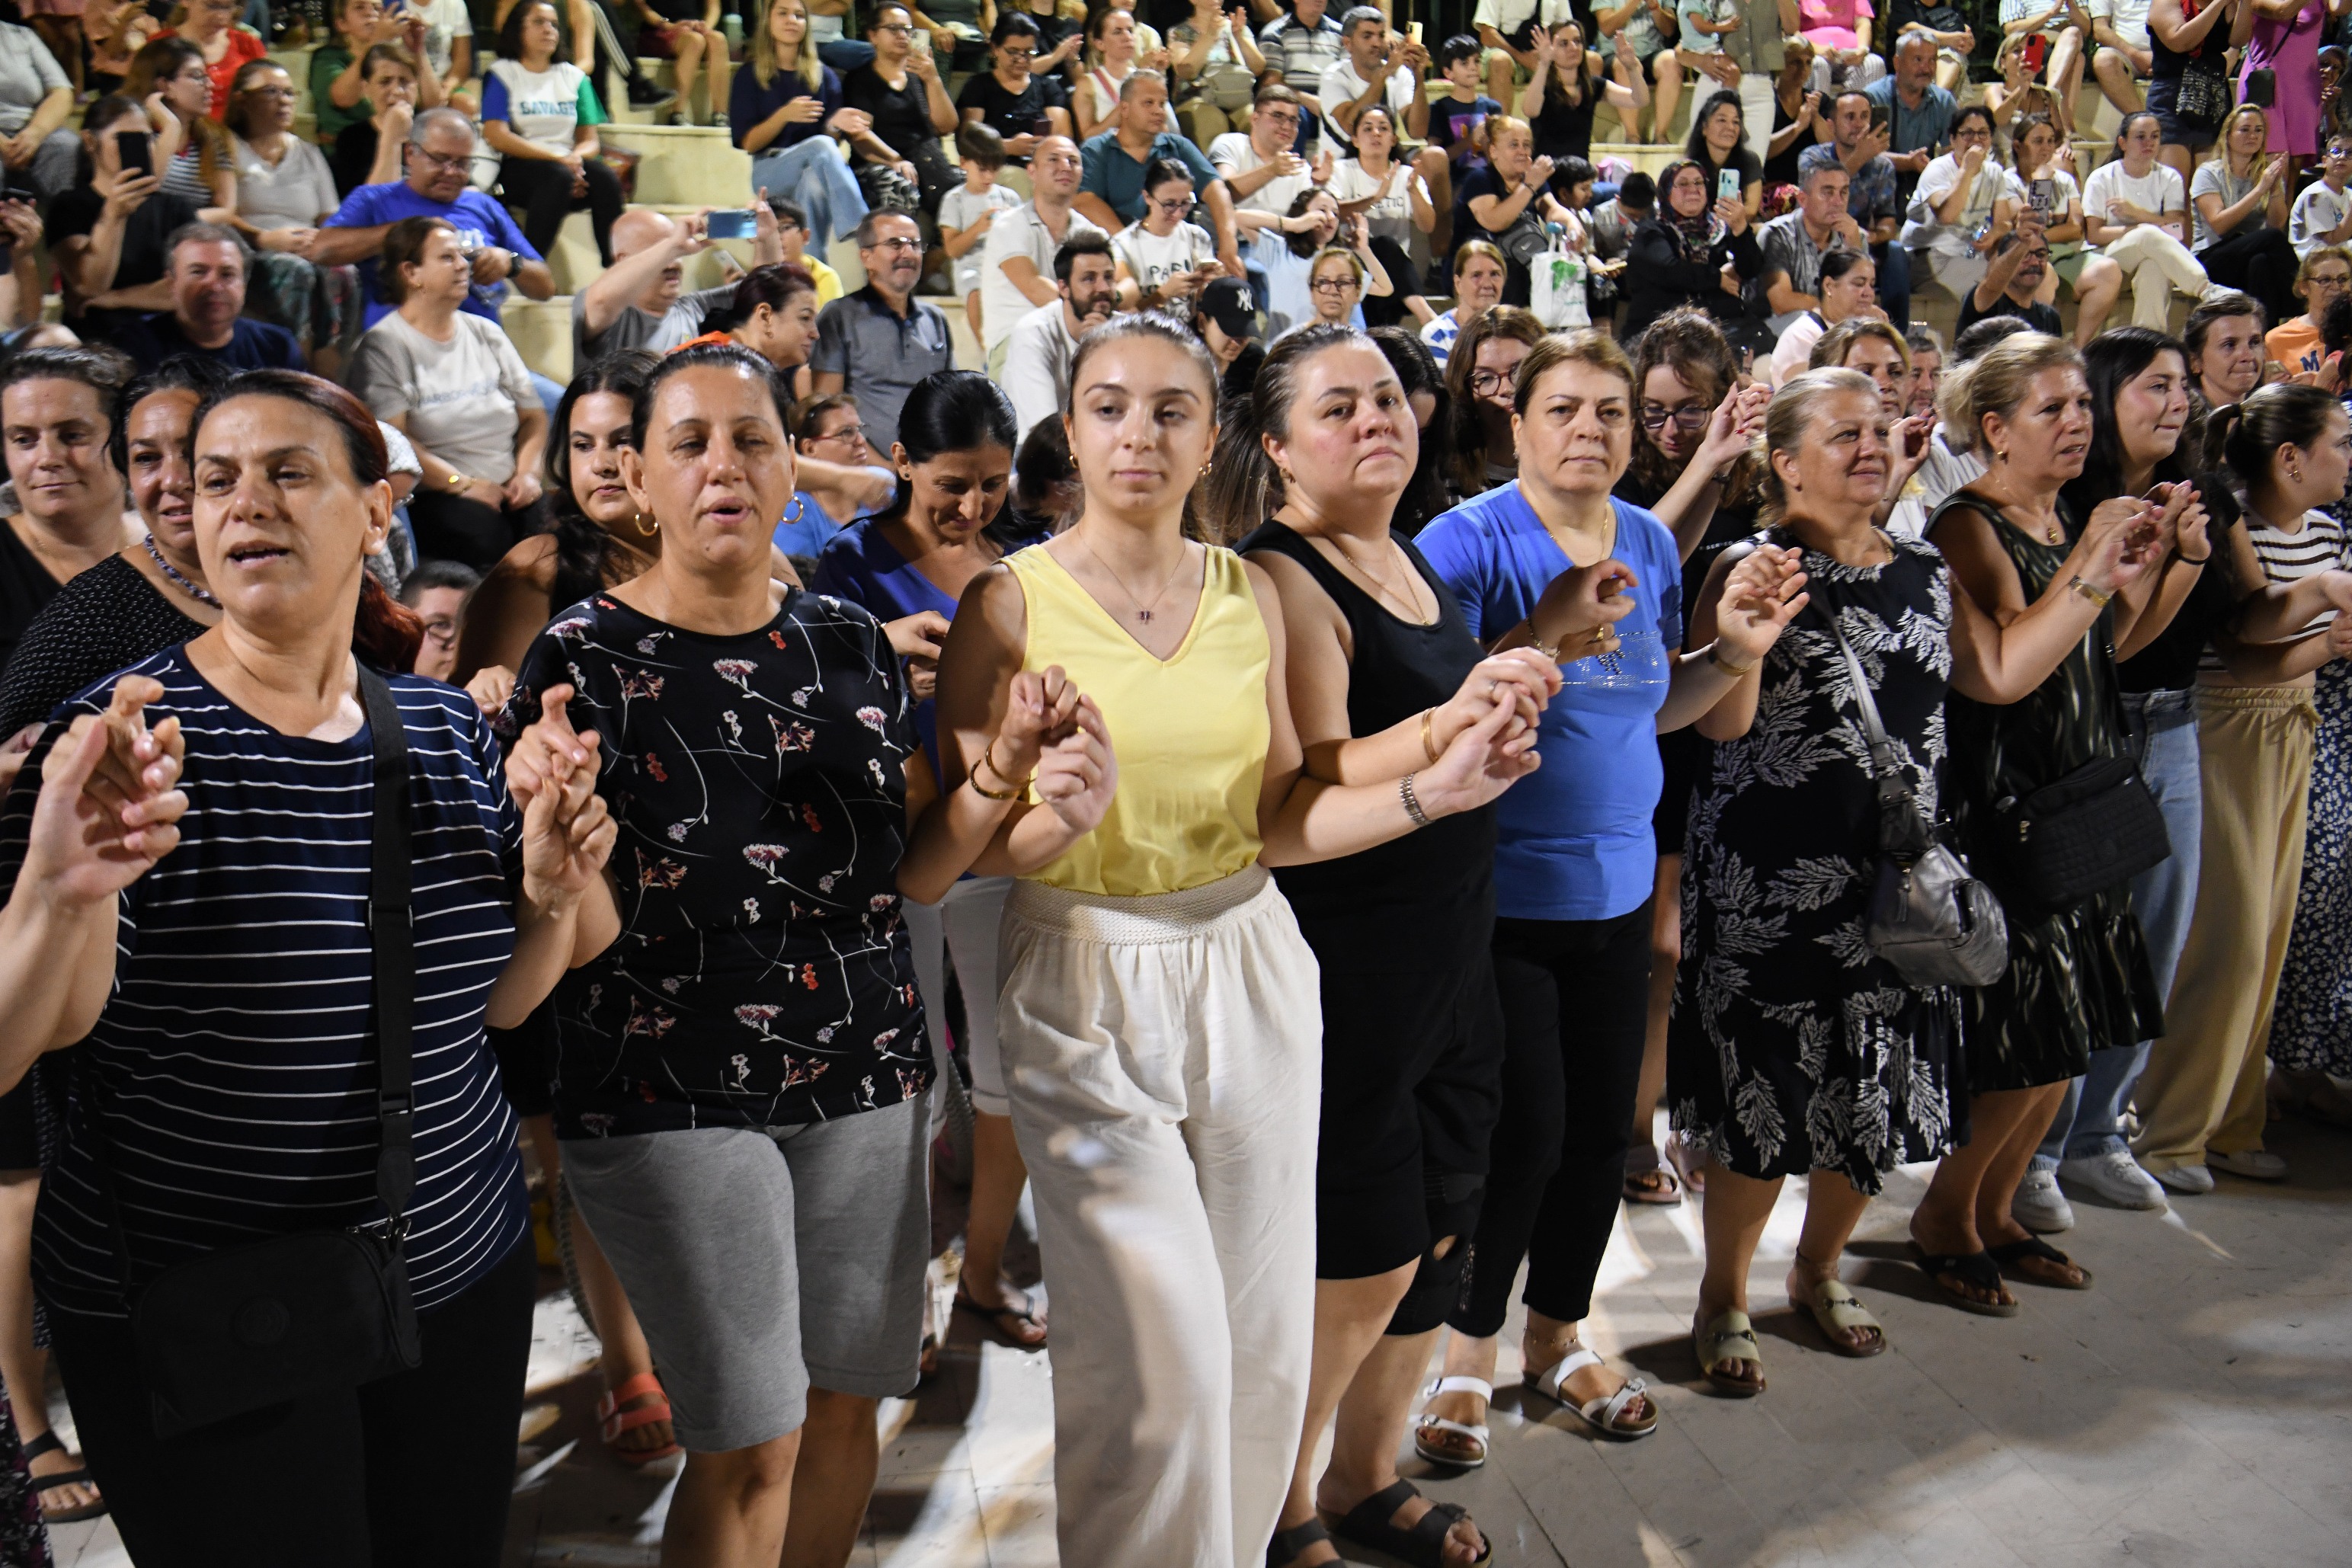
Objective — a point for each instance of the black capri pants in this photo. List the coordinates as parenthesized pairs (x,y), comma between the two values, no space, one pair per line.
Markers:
(1575,1003)
(2261,261)
(542,189)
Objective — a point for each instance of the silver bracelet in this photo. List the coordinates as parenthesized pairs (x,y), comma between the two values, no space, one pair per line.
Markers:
(1412,802)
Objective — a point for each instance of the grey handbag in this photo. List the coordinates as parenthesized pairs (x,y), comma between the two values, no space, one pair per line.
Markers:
(1937,924)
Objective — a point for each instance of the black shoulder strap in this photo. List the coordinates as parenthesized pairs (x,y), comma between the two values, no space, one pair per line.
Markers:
(392,940)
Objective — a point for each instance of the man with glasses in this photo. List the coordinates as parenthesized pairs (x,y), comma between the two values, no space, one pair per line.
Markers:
(1955,214)
(1110,187)
(1017,265)
(1260,171)
(1010,98)
(876,344)
(440,154)
(2018,265)
(1037,360)
(437,592)
(2325,277)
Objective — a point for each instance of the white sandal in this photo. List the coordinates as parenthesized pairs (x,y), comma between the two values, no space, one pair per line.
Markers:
(1600,1414)
(1476,1434)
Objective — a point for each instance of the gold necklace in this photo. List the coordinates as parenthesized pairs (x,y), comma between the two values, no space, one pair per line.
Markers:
(1404,597)
(1142,609)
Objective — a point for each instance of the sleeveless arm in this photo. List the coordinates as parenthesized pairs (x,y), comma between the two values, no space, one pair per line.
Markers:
(2003,647)
(508,609)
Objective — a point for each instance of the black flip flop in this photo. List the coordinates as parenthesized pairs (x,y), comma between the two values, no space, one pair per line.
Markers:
(995,1317)
(2009,1253)
(1423,1544)
(47,1443)
(1287,1544)
(1976,1268)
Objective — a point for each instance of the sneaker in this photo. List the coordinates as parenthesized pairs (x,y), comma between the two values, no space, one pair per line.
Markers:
(2255,1165)
(644,94)
(2114,1178)
(2039,1205)
(2194,1180)
(718,121)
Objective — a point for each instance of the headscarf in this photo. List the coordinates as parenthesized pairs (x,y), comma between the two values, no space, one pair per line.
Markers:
(1694,238)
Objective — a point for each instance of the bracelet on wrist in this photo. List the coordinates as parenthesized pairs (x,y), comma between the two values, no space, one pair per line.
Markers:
(2098,597)
(1714,656)
(1012,791)
(1534,641)
(2191,560)
(1428,735)
(1412,802)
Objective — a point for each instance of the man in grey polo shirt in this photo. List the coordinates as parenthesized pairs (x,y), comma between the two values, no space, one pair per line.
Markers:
(876,344)
(1793,244)
(639,302)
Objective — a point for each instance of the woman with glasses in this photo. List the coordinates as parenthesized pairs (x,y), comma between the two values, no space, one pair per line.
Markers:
(1848,290)
(1963,206)
(1163,261)
(169,79)
(2238,204)
(785,109)
(1679,252)
(1479,380)
(1336,279)
(285,191)
(1011,97)
(2323,277)
(840,477)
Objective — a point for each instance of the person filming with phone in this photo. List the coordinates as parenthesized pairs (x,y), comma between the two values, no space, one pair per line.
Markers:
(641,300)
(108,233)
(1696,249)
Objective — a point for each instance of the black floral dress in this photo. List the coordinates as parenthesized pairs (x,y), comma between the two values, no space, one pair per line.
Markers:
(762,976)
(2080,981)
(1793,1045)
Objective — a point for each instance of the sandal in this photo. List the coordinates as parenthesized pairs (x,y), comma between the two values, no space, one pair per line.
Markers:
(1287,1544)
(2011,1258)
(1834,1310)
(1438,1455)
(1653,1183)
(49,1443)
(1001,1319)
(1601,1414)
(1423,1544)
(1689,1163)
(1729,1337)
(1976,1268)
(611,1420)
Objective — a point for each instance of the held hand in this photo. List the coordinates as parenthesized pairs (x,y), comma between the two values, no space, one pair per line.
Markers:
(568,834)
(550,750)
(1078,775)
(1580,607)
(1480,763)
(492,685)
(1041,709)
(1760,597)
(2118,544)
(918,636)
(12,753)
(110,801)
(1522,677)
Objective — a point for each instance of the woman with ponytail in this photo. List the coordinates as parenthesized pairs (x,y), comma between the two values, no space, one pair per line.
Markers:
(209,972)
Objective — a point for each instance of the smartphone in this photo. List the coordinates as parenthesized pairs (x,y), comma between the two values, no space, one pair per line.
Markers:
(1413,31)
(731,223)
(2043,196)
(1881,118)
(130,146)
(1726,186)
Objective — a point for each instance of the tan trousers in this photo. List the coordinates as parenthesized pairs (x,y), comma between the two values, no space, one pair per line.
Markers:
(1164,1057)
(2203,1085)
(2157,265)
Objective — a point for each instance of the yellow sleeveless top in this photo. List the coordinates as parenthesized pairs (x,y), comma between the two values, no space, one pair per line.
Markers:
(1190,734)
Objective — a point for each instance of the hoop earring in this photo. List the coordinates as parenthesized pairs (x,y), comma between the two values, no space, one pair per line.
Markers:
(640,521)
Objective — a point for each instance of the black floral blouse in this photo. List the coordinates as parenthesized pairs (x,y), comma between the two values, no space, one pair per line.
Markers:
(761,977)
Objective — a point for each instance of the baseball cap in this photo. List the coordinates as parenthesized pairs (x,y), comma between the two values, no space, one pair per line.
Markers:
(1227,302)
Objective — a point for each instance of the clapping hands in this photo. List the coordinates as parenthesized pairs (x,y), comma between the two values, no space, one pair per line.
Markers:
(109,802)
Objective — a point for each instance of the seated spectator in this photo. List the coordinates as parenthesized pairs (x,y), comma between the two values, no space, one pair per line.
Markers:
(1037,361)
(1112,167)
(20,285)
(1651,29)
(1012,98)
(539,114)
(1478,274)
(368,150)
(2124,59)
(36,100)
(2135,211)
(437,592)
(686,33)
(1565,87)
(440,155)
(1117,52)
(829,438)
(1479,375)
(1016,272)
(1680,254)
(168,78)
(2238,209)
(1797,121)
(448,50)
(1260,171)
(1871,197)
(772,312)
(792,238)
(1227,322)
(1611,223)
(1964,205)
(1507,200)
(1216,62)
(204,268)
(1392,199)
(785,109)
(1377,67)
(115,31)
(1838,31)
(876,344)
(2017,94)
(1338,281)
(284,191)
(2323,213)
(1299,48)
(455,387)
(339,65)
(2053,32)
(1163,261)
(2012,279)
(2045,174)
(1718,146)
(1845,291)
(1282,257)
(2325,277)
(107,233)
(1794,244)
(1463,109)
(907,112)
(638,302)
(968,212)
(227,48)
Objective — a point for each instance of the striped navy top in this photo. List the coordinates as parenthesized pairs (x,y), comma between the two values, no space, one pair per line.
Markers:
(2319,545)
(233,1068)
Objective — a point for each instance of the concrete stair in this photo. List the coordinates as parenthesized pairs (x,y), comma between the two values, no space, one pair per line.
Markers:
(685,165)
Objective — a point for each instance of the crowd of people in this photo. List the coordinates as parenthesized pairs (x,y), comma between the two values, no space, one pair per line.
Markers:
(1471,645)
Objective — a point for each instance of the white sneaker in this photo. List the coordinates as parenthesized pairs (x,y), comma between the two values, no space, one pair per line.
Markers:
(2039,1205)
(2194,1180)
(2255,1165)
(2114,1178)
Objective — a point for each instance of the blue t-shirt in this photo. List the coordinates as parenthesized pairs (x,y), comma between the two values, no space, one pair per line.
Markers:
(252,345)
(477,218)
(1573,839)
(806,527)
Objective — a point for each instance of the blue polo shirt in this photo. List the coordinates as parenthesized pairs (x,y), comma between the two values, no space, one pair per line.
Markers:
(479,218)
(1909,129)
(1118,179)
(1573,839)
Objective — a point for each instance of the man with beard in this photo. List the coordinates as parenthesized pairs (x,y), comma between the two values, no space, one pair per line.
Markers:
(1037,364)
(876,344)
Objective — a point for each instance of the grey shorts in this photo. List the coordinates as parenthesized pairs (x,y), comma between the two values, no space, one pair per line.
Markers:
(761,1261)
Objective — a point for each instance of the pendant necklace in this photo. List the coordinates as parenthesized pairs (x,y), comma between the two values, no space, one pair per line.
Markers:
(179,581)
(1142,609)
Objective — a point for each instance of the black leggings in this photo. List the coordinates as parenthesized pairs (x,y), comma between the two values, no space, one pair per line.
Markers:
(1575,997)
(410,1472)
(2260,260)
(542,189)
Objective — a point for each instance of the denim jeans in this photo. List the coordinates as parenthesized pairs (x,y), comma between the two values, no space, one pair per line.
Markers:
(812,176)
(2089,1119)
(1893,282)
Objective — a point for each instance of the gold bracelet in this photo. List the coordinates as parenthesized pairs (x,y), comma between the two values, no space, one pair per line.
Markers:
(1428,740)
(1534,641)
(1714,656)
(2094,594)
(988,761)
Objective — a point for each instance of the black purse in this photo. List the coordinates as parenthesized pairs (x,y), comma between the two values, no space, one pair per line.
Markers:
(246,1327)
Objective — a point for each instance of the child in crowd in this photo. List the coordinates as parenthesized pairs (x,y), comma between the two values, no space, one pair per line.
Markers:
(793,233)
(967,212)
(1463,108)
(1704,23)
(2323,214)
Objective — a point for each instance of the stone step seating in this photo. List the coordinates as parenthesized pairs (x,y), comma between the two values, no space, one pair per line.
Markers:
(711,85)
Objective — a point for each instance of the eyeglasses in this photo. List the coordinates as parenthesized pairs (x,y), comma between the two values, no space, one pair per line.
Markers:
(1179,204)
(1016,54)
(847,433)
(1486,383)
(1689,419)
(450,164)
(2329,280)
(2039,254)
(442,631)
(268,93)
(904,29)
(1342,285)
(1278,117)
(909,244)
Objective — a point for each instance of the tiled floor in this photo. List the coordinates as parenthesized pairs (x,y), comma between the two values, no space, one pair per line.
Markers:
(2194,1409)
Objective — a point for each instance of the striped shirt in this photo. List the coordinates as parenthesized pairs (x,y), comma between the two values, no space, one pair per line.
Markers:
(234,1069)
(2318,546)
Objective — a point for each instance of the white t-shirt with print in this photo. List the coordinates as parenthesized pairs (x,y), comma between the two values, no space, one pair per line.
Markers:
(2157,191)
(443,20)
(461,398)
(1151,259)
(545,107)
(2316,214)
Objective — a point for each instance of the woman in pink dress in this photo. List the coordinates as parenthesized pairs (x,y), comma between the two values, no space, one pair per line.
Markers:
(2286,42)
(1838,31)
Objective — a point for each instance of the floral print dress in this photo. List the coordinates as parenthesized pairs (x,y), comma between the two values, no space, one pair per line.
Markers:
(762,976)
(1793,1045)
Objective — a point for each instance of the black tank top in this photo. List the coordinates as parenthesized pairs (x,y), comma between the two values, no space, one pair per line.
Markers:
(26,589)
(1397,669)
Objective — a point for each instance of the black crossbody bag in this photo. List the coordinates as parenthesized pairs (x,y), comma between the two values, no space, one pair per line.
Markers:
(304,1314)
